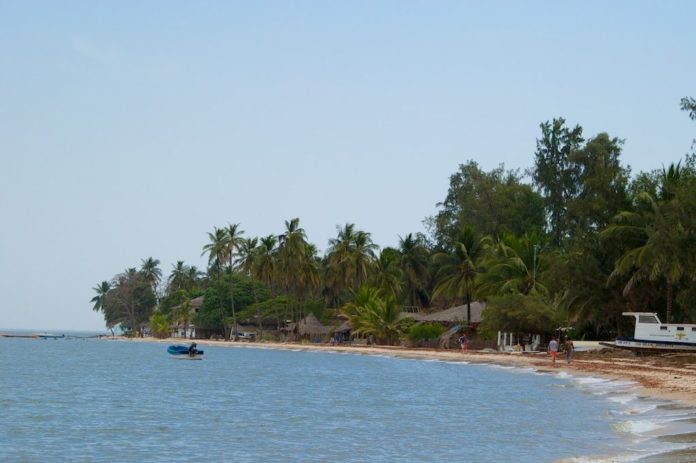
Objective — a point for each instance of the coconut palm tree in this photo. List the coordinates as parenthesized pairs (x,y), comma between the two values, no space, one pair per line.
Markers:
(386,274)
(414,266)
(513,266)
(246,262)
(349,259)
(264,268)
(101,289)
(656,242)
(363,256)
(460,267)
(178,277)
(370,314)
(234,241)
(217,250)
(151,272)
(297,265)
(182,314)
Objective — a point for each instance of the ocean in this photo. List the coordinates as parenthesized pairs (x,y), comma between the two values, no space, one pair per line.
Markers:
(92,400)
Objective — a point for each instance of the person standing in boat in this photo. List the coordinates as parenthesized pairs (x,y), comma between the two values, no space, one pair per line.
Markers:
(553,350)
(192,349)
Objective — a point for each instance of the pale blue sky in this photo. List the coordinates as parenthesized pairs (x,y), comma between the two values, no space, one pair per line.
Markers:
(130,129)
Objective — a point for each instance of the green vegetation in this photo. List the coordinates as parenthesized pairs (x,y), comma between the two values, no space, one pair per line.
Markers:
(573,241)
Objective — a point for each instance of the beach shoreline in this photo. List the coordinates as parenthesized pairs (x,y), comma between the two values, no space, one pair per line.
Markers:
(664,377)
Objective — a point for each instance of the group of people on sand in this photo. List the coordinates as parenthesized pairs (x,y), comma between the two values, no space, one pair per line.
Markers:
(568,347)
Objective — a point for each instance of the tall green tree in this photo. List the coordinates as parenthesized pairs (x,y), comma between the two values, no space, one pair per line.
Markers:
(494,202)
(102,290)
(602,185)
(151,272)
(555,175)
(460,267)
(512,266)
(297,268)
(183,277)
(265,268)
(348,261)
(233,242)
(130,301)
(386,274)
(217,249)
(413,263)
(657,241)
(247,261)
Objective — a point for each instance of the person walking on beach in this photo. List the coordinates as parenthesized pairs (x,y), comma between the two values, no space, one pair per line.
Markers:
(553,350)
(569,349)
(464,343)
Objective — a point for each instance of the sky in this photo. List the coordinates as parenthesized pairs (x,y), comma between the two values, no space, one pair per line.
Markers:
(130,129)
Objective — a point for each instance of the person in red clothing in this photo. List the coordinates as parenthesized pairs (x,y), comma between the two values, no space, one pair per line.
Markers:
(553,350)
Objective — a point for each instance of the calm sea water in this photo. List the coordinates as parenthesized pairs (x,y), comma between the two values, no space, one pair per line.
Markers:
(98,400)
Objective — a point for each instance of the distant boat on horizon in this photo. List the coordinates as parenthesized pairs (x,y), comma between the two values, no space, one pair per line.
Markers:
(48,335)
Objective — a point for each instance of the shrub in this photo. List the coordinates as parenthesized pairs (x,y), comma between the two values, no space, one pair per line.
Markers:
(424,331)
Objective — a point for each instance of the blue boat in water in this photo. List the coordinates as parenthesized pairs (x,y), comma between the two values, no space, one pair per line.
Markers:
(185,352)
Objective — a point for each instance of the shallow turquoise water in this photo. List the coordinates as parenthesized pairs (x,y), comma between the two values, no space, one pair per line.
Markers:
(97,400)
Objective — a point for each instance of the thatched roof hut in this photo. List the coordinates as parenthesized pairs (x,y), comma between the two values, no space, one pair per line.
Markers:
(456,314)
(311,326)
(344,327)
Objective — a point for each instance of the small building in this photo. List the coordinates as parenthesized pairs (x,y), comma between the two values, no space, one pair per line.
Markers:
(309,328)
(181,330)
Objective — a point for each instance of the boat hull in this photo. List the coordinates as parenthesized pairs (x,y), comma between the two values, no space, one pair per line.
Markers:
(649,346)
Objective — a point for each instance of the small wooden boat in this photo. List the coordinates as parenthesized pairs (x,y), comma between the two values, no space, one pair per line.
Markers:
(652,336)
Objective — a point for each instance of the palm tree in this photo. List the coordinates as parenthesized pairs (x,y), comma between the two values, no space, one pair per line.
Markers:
(656,241)
(182,314)
(414,266)
(177,278)
(217,250)
(349,260)
(386,274)
(151,272)
(459,269)
(362,257)
(513,266)
(292,258)
(248,255)
(234,241)
(264,268)
(370,314)
(101,289)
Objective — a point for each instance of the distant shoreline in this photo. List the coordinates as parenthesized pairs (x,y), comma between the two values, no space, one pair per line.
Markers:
(671,378)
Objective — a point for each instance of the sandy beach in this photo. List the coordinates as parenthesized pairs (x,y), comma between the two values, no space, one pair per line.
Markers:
(670,377)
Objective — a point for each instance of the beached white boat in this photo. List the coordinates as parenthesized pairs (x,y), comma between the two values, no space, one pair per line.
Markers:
(652,336)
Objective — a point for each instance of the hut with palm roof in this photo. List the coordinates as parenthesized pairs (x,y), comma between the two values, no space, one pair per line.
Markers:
(308,328)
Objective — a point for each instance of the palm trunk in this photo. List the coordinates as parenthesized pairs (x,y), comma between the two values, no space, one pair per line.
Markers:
(258,311)
(468,309)
(670,288)
(234,315)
